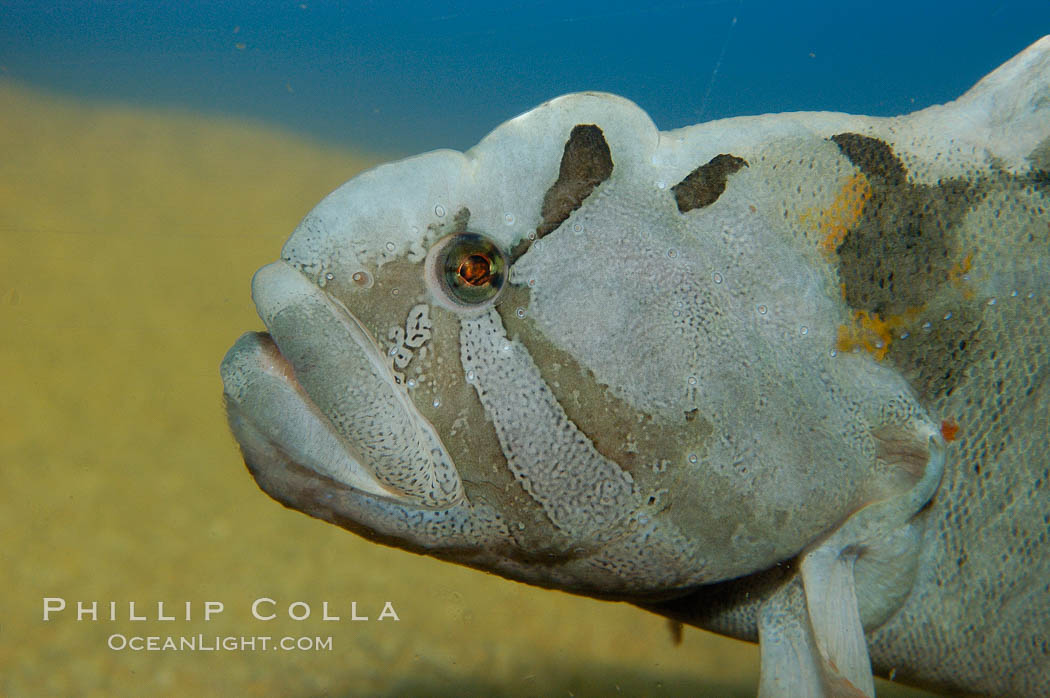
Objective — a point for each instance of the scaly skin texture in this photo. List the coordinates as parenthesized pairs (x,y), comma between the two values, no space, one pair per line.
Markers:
(781,376)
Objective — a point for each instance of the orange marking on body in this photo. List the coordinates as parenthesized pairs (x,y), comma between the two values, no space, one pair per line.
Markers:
(836,220)
(868,332)
(949,429)
(957,275)
(873,333)
(961,269)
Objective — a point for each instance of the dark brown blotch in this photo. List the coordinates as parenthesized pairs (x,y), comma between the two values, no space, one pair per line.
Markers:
(586,162)
(904,245)
(873,157)
(902,252)
(705,184)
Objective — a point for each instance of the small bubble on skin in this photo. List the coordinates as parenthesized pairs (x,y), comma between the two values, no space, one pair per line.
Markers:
(411,382)
(531,235)
(439,211)
(506,348)
(531,282)
(762,310)
(672,253)
(905,335)
(395,292)
(692,380)
(520,312)
(927,326)
(991,301)
(676,313)
(391,247)
(803,330)
(362,278)
(437,402)
(879,344)
(948,315)
(508,218)
(1013,294)
(1031,296)
(833,353)
(661,184)
(329,275)
(470,376)
(577,228)
(717,277)
(692,458)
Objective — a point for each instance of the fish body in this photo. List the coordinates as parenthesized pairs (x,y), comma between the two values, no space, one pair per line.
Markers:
(783,377)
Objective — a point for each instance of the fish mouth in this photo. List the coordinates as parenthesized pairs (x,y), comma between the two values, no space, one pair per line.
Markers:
(317,389)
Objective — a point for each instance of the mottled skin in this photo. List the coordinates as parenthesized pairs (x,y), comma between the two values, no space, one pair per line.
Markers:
(783,377)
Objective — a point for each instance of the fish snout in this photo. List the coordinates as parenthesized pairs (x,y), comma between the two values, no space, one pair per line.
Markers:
(318,388)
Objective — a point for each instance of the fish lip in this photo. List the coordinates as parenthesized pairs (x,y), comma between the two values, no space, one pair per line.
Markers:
(256,357)
(282,287)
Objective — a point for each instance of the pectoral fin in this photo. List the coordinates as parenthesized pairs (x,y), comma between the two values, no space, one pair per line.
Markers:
(834,617)
(811,630)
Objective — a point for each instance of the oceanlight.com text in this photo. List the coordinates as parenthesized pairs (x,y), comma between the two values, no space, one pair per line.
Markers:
(217,643)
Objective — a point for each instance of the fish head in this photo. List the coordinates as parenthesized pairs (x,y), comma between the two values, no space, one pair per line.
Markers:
(583,354)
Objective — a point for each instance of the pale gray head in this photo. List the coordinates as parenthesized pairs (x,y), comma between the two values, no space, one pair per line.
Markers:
(583,354)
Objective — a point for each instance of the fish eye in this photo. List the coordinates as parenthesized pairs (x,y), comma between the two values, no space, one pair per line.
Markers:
(466,270)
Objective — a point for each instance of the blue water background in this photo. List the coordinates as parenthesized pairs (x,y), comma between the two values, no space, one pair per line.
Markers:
(398,78)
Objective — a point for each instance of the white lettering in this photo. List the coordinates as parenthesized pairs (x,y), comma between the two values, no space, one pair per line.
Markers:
(160,612)
(53,604)
(131,613)
(84,609)
(353,612)
(212,608)
(255,608)
(324,612)
(388,612)
(306,611)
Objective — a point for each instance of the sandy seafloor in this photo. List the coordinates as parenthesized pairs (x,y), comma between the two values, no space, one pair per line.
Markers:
(127,241)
